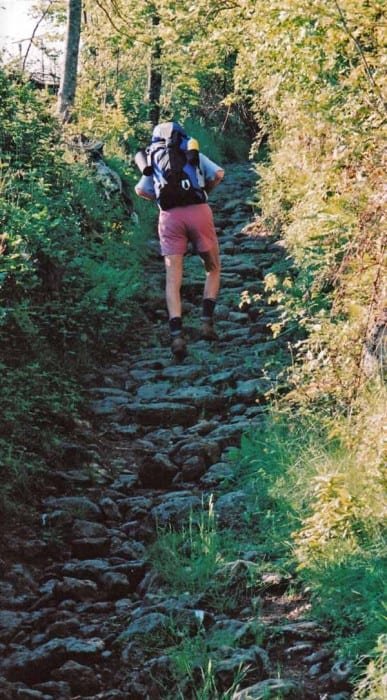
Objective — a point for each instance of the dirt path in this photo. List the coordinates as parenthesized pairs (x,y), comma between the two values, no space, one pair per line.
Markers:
(83,613)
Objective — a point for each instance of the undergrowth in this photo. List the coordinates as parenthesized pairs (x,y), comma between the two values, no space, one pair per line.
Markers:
(315,491)
(71,267)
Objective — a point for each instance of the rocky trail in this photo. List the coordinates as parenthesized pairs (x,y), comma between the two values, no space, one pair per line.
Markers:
(84,613)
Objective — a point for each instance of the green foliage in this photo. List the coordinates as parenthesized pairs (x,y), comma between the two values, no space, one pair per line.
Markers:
(314,74)
(309,78)
(320,496)
(209,141)
(187,559)
(374,684)
(70,268)
(218,145)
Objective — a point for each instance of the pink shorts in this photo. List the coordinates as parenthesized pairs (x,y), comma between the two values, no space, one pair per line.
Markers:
(193,223)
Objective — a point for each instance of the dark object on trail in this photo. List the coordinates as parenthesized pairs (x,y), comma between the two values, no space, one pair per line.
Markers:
(111,181)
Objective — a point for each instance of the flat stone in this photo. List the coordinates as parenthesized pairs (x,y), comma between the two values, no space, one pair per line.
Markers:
(87,528)
(315,670)
(10,622)
(275,582)
(74,455)
(134,571)
(316,656)
(30,694)
(36,665)
(124,430)
(55,689)
(157,471)
(304,629)
(200,396)
(236,203)
(250,388)
(109,508)
(162,413)
(109,406)
(253,662)
(223,377)
(143,375)
(81,679)
(238,317)
(298,649)
(270,688)
(79,506)
(175,508)
(233,335)
(153,391)
(185,372)
(64,628)
(76,589)
(73,476)
(229,434)
(193,468)
(135,506)
(125,482)
(115,585)
(217,473)
(84,649)
(87,569)
(230,507)
(152,623)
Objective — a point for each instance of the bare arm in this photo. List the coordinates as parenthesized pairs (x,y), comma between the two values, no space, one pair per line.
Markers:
(211,184)
(145,195)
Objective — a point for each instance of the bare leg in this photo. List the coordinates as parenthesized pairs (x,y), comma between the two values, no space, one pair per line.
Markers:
(211,260)
(174,276)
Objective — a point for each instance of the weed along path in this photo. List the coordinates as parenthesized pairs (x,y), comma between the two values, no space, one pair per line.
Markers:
(146,576)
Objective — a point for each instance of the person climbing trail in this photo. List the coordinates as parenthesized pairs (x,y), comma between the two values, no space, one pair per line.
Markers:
(179,179)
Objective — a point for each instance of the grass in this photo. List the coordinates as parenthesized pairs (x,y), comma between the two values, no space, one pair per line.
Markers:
(320,492)
(188,559)
(373,685)
(315,492)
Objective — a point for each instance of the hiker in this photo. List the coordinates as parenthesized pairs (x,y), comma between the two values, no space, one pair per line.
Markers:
(179,178)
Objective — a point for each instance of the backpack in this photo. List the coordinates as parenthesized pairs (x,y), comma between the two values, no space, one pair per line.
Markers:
(177,178)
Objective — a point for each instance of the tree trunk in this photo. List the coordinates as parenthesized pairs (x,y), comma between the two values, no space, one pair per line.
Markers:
(69,74)
(154,73)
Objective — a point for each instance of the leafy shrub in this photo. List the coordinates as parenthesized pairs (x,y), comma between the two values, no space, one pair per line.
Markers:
(320,497)
(70,269)
(373,685)
(316,89)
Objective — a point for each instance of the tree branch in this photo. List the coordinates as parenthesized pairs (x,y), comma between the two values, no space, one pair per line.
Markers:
(367,69)
(107,14)
(34,32)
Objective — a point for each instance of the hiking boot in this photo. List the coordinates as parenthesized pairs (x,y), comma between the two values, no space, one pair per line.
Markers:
(207,331)
(179,347)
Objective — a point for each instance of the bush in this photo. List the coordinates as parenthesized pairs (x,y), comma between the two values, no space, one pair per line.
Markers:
(70,270)
(320,494)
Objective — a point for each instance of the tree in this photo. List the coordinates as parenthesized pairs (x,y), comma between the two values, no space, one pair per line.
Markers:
(154,74)
(69,74)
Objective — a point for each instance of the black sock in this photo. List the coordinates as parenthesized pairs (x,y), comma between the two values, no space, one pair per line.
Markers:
(208,309)
(175,325)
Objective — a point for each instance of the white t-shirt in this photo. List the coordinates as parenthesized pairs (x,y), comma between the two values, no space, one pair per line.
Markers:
(207,167)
